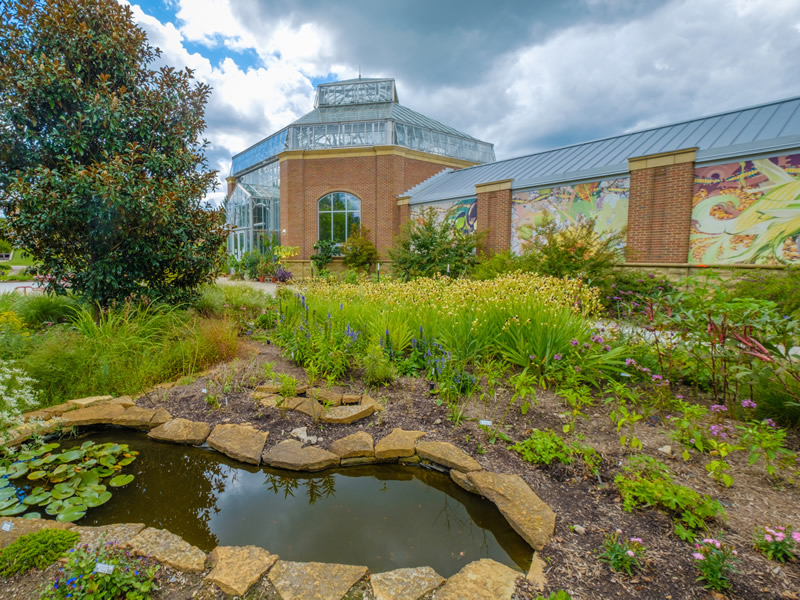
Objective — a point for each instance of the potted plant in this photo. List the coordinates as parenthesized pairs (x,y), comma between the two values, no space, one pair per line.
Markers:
(266,268)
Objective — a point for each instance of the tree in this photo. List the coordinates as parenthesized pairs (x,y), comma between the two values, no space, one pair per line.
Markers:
(102,170)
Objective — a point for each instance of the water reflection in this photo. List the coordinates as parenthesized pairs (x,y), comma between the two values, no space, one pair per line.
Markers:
(384,517)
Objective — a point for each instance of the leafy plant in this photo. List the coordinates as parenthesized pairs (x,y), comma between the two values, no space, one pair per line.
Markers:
(325,251)
(621,554)
(557,595)
(288,386)
(35,550)
(776,544)
(378,369)
(358,252)
(764,441)
(715,561)
(491,266)
(283,275)
(544,447)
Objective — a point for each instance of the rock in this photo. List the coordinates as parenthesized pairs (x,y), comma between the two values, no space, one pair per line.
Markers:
(437,422)
(269,388)
(84,402)
(301,390)
(524,510)
(181,431)
(351,398)
(162,416)
(483,579)
(301,433)
(269,401)
(93,415)
(347,414)
(241,442)
(291,454)
(397,444)
(310,407)
(314,581)
(405,584)
(120,534)
(370,401)
(579,529)
(666,450)
(236,568)
(135,417)
(355,445)
(536,573)
(291,403)
(14,437)
(169,549)
(462,481)
(357,462)
(448,455)
(409,460)
(25,526)
(325,396)
(123,401)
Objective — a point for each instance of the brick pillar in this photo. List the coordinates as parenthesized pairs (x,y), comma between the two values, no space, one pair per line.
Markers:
(231,181)
(403,212)
(292,205)
(494,214)
(660,207)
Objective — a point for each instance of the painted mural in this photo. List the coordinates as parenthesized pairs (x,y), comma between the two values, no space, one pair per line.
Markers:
(463,212)
(747,212)
(607,200)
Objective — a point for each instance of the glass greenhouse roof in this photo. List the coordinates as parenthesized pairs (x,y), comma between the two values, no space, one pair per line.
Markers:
(364,112)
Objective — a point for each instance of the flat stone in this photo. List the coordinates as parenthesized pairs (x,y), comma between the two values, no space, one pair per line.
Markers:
(666,450)
(290,454)
(84,402)
(405,584)
(236,568)
(536,573)
(357,462)
(370,401)
(291,403)
(93,415)
(524,510)
(168,548)
(181,431)
(310,407)
(135,417)
(162,416)
(241,442)
(483,579)
(14,437)
(269,400)
(119,534)
(301,390)
(397,444)
(355,445)
(268,388)
(123,401)
(25,526)
(462,481)
(351,398)
(314,581)
(409,460)
(448,455)
(49,412)
(347,414)
(326,396)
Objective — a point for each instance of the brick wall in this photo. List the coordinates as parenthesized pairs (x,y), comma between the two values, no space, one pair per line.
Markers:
(494,218)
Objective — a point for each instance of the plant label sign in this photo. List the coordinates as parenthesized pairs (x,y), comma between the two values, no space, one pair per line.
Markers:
(104,568)
(485,422)
(7,526)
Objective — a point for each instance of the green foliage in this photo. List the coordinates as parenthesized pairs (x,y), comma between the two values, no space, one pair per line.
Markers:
(715,561)
(288,385)
(358,251)
(557,595)
(780,287)
(133,577)
(5,246)
(36,310)
(646,481)
(325,251)
(490,266)
(250,261)
(626,286)
(427,246)
(544,447)
(35,550)
(776,544)
(621,554)
(378,369)
(102,166)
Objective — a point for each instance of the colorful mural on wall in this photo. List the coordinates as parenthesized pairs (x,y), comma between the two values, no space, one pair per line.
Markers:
(607,200)
(747,212)
(463,212)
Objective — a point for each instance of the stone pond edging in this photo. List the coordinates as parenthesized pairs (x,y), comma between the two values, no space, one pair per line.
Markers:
(235,569)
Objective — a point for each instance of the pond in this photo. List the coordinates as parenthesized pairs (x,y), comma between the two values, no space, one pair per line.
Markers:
(381,516)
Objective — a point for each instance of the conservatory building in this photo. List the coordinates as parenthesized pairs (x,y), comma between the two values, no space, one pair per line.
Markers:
(341,167)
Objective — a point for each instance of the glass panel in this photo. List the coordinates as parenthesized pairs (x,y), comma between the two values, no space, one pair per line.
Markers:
(339,201)
(324,226)
(325,203)
(353,223)
(339,227)
(353,203)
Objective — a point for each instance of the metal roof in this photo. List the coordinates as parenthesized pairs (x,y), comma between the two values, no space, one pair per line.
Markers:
(748,131)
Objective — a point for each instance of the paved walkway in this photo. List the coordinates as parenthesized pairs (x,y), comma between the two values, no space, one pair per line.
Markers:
(269,288)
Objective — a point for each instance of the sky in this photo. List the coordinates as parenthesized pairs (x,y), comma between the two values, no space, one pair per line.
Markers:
(526,75)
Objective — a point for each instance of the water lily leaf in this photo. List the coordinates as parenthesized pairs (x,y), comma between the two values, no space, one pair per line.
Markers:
(32,515)
(42,498)
(86,445)
(74,502)
(36,463)
(14,510)
(60,469)
(8,503)
(37,475)
(63,491)
(72,514)
(120,480)
(70,456)
(108,461)
(89,478)
(54,507)
(104,471)
(50,458)
(18,469)
(7,492)
(97,500)
(126,461)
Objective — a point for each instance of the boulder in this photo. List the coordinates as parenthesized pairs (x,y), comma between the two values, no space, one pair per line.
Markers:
(120,534)
(314,581)
(84,402)
(462,481)
(448,455)
(135,417)
(268,400)
(181,431)
(290,454)
(241,442)
(162,416)
(536,573)
(100,414)
(268,388)
(168,548)
(397,444)
(355,445)
(405,584)
(524,510)
(347,414)
(236,568)
(483,579)
(310,407)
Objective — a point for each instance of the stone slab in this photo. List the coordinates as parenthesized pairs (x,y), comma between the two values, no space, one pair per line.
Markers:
(237,568)
(405,584)
(123,401)
(25,526)
(397,444)
(328,397)
(536,574)
(370,401)
(90,401)
(359,461)
(119,534)
(310,407)
(314,581)
(347,414)
(241,442)
(135,417)
(181,431)
(268,400)
(448,455)
(359,444)
(162,416)
(268,388)
(92,415)
(290,454)
(529,516)
(483,579)
(168,548)
(462,481)
(351,398)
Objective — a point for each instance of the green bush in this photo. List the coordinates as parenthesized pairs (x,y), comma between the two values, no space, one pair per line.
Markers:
(544,447)
(250,262)
(358,251)
(782,288)
(46,308)
(632,286)
(429,246)
(5,246)
(378,369)
(35,550)
(490,267)
(325,251)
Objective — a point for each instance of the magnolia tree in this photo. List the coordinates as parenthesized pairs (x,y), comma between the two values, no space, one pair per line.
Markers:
(102,168)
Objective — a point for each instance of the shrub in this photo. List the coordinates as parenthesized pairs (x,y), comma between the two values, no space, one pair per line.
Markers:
(429,246)
(544,447)
(489,267)
(782,288)
(35,550)
(5,246)
(378,369)
(45,308)
(17,395)
(250,263)
(358,251)
(715,561)
(621,554)
(133,577)
(325,251)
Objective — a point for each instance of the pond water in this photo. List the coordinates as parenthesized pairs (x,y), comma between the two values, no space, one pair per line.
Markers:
(382,516)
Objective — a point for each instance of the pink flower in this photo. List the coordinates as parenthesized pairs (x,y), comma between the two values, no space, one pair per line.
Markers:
(698,556)
(796,536)
(780,536)
(768,537)
(630,553)
(637,540)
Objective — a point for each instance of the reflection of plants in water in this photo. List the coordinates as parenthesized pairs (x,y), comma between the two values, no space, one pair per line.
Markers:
(452,521)
(316,487)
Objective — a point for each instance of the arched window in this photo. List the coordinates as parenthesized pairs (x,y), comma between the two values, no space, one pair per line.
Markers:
(339,216)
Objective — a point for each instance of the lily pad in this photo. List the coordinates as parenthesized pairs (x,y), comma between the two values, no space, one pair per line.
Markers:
(120,480)
(32,515)
(97,500)
(42,498)
(70,456)
(14,510)
(54,507)
(63,490)
(35,475)
(104,471)
(73,514)
(9,502)
(18,469)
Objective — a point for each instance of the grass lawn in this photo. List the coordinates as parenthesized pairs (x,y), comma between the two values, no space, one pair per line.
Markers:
(18,259)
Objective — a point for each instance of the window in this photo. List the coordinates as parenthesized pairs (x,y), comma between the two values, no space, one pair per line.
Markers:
(339,216)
